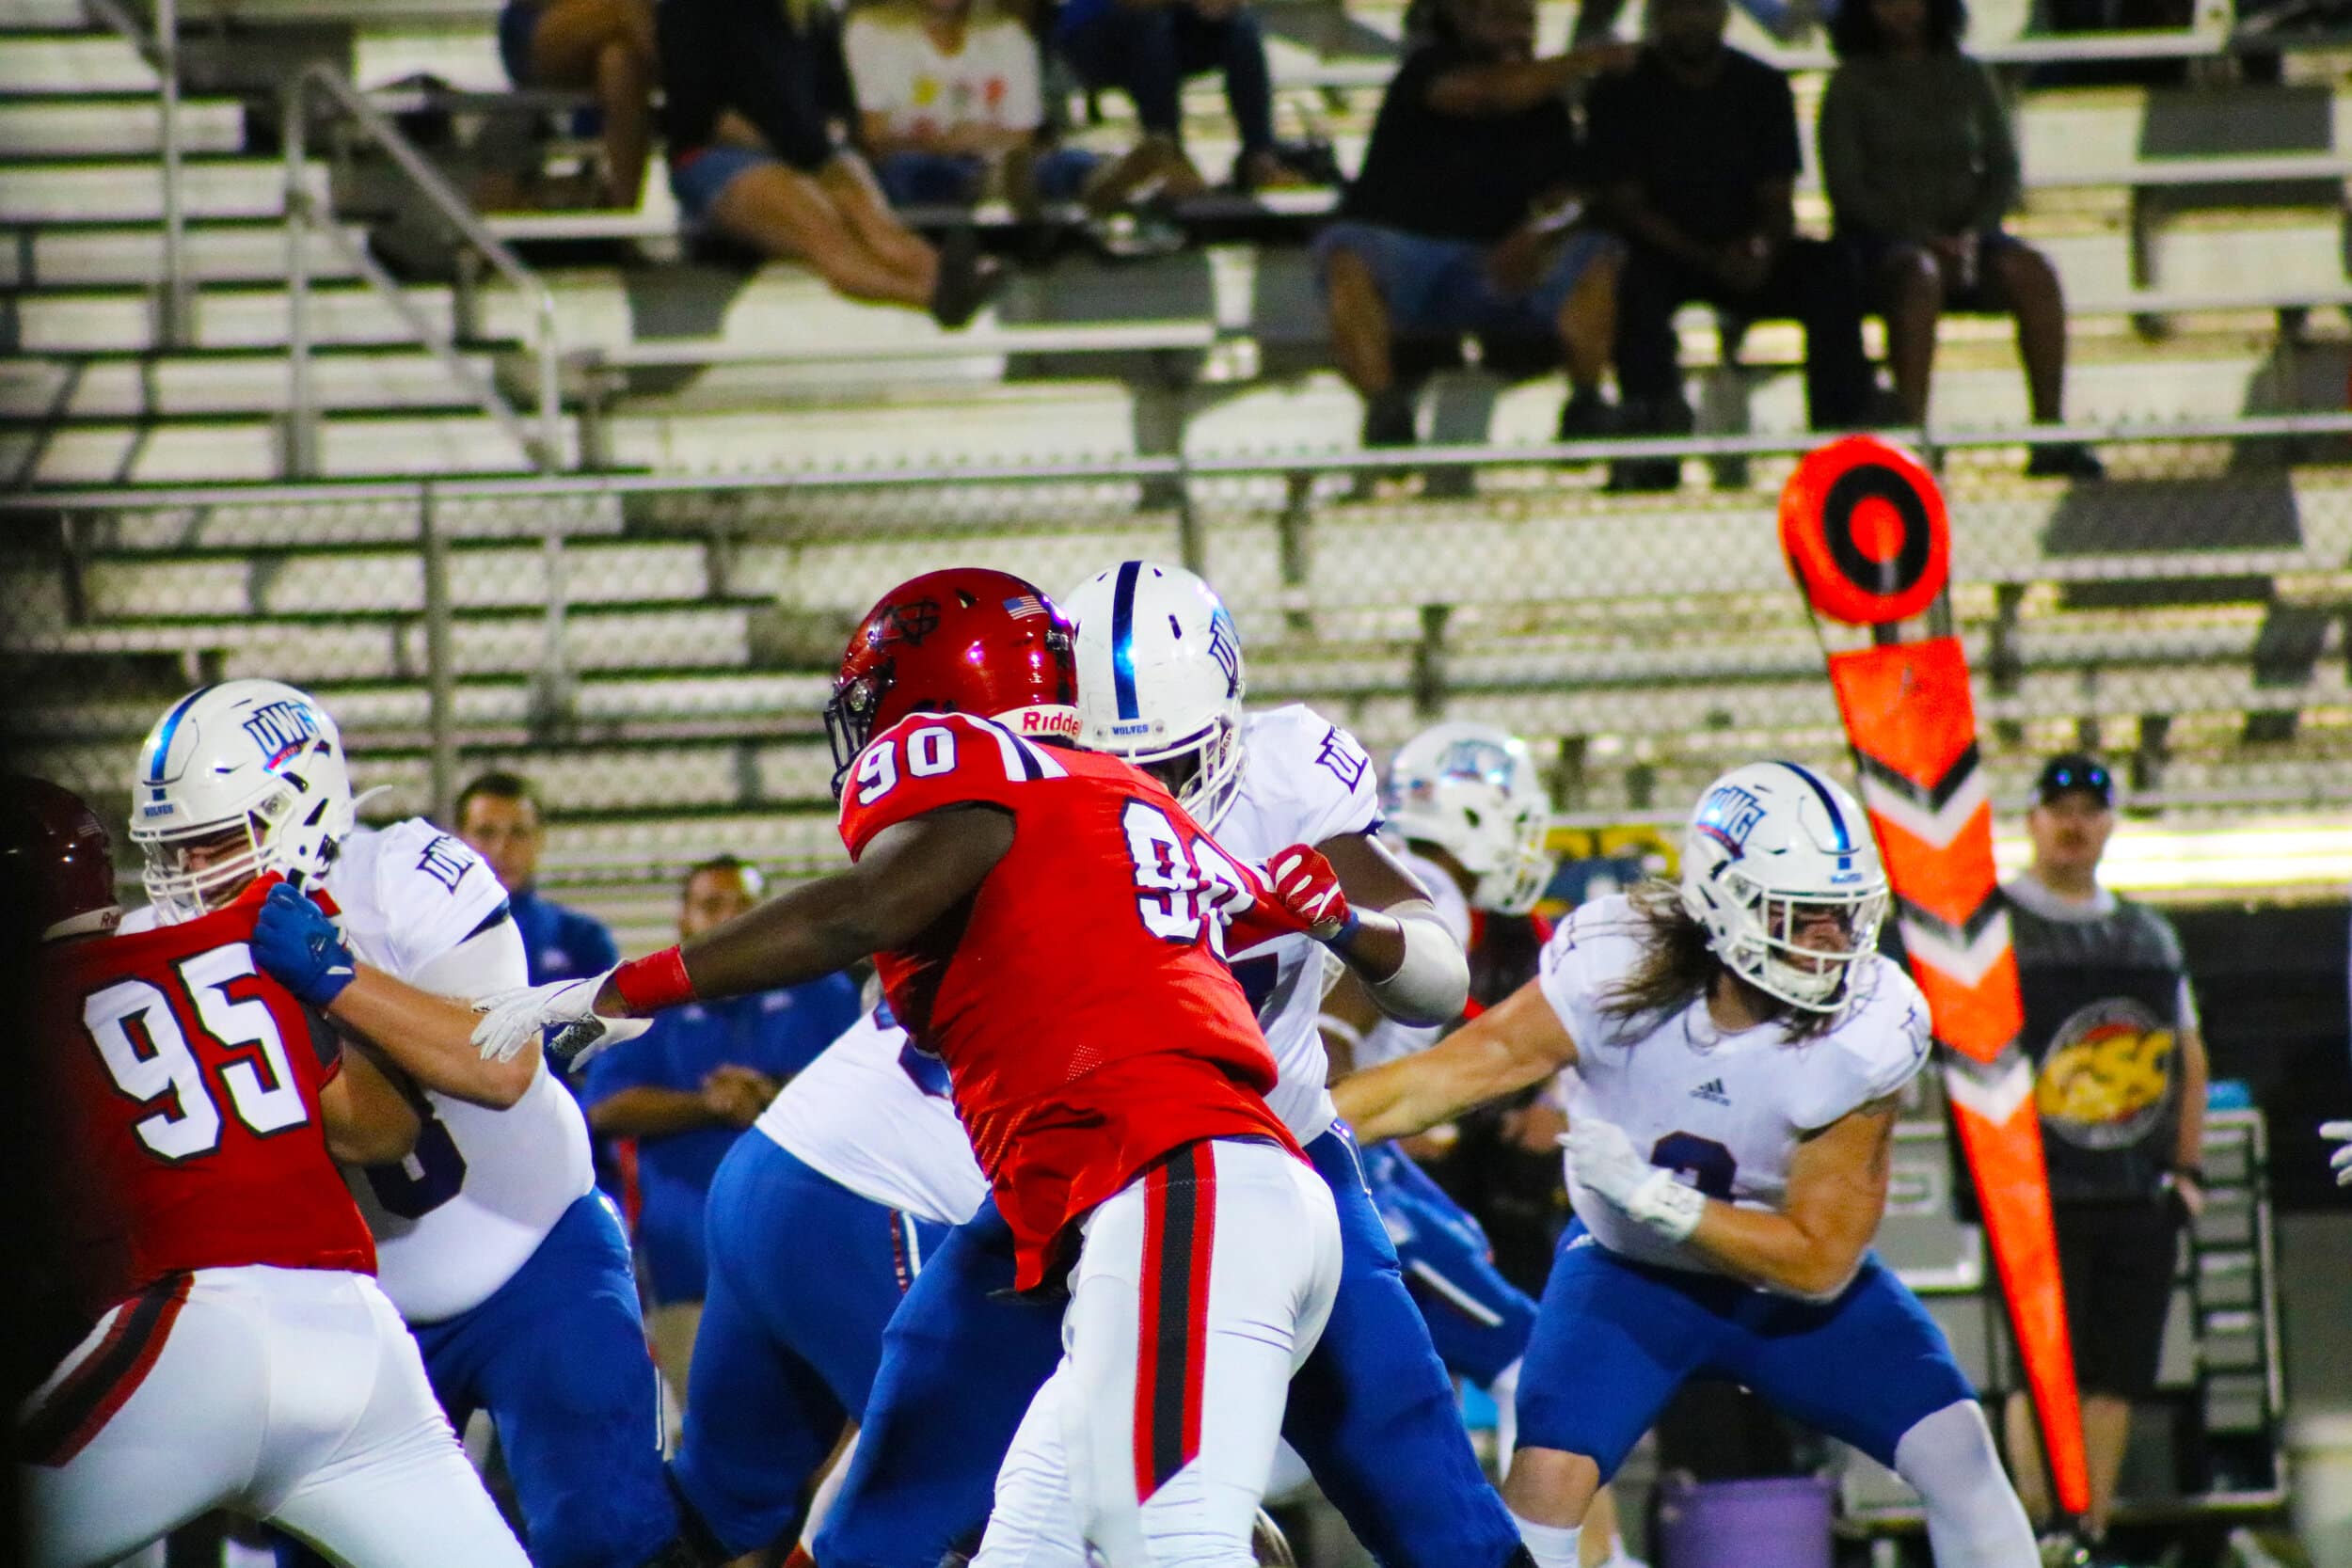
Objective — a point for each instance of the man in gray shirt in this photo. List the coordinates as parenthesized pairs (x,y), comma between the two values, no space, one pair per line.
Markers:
(2120,1079)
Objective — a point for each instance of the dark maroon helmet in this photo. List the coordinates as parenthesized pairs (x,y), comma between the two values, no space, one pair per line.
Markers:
(53,846)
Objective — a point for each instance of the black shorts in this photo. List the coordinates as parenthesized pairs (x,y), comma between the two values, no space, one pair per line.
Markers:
(2116,1262)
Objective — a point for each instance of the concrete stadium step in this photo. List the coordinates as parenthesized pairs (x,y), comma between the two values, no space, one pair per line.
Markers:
(466,57)
(32,128)
(303,526)
(80,256)
(45,16)
(227,187)
(600,778)
(366,582)
(382,648)
(207,385)
(492,710)
(112,321)
(1698,728)
(252,451)
(794,842)
(66,63)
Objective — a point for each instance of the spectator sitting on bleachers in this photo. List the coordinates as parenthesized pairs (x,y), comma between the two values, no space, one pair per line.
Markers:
(756,94)
(1460,220)
(1920,165)
(950,102)
(604,47)
(1695,149)
(1147,48)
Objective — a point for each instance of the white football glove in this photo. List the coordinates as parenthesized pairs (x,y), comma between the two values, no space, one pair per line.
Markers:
(1607,1164)
(513,1019)
(2342,1159)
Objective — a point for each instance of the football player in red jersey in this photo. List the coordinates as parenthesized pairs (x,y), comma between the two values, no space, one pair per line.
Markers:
(238,1355)
(1048,921)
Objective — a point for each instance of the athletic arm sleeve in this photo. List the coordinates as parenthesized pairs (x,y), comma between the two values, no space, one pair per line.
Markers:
(490,961)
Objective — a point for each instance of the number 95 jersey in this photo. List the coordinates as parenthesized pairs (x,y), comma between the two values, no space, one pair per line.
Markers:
(1078,998)
(188,1099)
(1725,1112)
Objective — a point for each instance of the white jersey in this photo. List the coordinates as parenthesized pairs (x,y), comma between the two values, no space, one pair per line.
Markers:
(468,1206)
(859,1115)
(1726,1111)
(1387,1039)
(1303,780)
(873,1114)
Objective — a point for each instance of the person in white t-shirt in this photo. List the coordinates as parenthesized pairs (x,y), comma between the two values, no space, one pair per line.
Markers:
(950,105)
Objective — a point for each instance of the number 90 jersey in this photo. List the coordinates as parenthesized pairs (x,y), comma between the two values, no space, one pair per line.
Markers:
(1725,1112)
(187,1095)
(1079,999)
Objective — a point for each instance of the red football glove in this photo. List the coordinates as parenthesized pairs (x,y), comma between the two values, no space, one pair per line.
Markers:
(1305,894)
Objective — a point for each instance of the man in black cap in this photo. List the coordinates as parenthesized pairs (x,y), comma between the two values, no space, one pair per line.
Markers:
(2120,1079)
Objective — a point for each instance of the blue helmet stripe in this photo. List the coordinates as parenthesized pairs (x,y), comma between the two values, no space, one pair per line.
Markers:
(1829,803)
(1124,639)
(172,728)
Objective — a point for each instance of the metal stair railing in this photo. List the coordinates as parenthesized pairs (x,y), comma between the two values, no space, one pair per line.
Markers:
(162,51)
(543,439)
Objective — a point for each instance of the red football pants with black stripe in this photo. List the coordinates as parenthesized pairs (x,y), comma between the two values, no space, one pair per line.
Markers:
(1199,1290)
(295,1395)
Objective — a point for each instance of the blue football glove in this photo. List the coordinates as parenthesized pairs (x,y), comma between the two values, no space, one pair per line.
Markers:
(298,946)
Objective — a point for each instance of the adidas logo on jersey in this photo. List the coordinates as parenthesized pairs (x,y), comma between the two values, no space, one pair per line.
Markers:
(1712,1090)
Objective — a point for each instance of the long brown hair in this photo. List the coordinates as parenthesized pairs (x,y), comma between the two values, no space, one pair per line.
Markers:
(1679,968)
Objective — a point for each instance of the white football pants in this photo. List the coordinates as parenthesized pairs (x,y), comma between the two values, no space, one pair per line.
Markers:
(293,1395)
(1199,1290)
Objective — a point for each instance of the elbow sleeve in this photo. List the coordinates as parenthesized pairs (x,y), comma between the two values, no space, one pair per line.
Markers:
(1431,985)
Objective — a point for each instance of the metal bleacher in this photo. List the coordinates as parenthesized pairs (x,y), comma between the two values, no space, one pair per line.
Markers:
(649,640)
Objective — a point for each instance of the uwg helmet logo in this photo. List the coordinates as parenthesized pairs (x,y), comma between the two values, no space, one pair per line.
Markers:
(1225,647)
(280,730)
(1728,815)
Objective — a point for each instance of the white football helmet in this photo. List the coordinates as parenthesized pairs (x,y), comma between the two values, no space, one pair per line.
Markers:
(1472,790)
(235,781)
(1778,858)
(1160,680)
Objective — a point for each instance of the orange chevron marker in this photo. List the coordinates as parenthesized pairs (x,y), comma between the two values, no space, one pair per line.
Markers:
(1864,530)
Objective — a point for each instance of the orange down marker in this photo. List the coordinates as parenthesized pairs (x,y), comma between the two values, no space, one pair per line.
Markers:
(1865,533)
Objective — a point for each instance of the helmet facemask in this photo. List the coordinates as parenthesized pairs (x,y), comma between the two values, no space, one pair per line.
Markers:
(1203,772)
(191,872)
(1517,879)
(1798,947)
(850,719)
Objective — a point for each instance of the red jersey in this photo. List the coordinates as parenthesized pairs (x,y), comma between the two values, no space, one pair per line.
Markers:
(1082,1004)
(190,1087)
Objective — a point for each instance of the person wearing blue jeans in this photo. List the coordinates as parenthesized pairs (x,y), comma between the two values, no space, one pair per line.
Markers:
(1148,48)
(1459,221)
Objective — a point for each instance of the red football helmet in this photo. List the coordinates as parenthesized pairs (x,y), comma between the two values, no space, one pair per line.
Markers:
(53,849)
(963,641)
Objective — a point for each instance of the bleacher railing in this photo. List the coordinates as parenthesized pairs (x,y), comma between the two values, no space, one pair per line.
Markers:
(161,50)
(1178,504)
(323,84)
